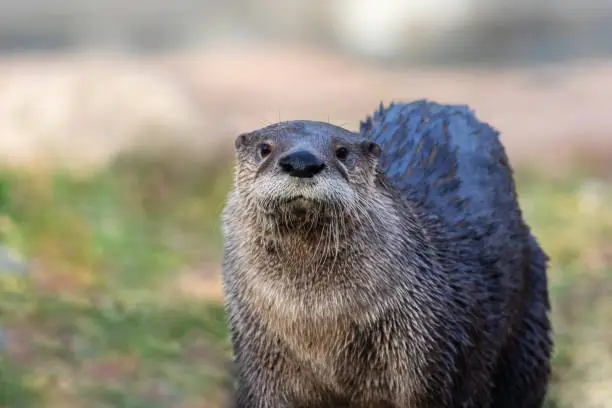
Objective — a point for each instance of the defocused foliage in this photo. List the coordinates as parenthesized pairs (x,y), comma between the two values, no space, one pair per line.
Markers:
(104,318)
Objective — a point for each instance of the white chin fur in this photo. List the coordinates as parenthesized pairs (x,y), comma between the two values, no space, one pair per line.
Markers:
(319,189)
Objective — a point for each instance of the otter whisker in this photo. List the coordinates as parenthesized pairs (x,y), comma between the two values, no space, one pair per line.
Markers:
(337,217)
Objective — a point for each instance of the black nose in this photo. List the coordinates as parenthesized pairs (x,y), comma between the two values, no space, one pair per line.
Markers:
(301,163)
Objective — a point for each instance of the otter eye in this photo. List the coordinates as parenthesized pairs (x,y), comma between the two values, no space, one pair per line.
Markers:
(342,153)
(264,150)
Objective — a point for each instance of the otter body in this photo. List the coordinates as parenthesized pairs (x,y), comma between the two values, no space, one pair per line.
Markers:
(386,268)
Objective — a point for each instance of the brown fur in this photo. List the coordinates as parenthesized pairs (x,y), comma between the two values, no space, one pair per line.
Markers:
(348,295)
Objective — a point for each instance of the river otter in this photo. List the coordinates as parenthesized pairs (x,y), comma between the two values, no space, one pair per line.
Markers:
(386,268)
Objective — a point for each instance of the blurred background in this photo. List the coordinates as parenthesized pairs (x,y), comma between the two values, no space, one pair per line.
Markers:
(117,122)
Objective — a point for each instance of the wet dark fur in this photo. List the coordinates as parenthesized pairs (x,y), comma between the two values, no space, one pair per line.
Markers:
(426,289)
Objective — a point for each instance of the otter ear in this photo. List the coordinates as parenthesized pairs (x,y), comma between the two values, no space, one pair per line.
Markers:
(371,148)
(243,140)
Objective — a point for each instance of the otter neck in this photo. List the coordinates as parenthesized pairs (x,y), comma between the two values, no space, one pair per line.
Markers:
(321,235)
(311,247)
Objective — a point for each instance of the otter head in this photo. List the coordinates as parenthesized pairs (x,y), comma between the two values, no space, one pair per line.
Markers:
(303,170)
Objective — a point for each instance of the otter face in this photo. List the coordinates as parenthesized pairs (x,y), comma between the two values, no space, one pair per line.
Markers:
(304,166)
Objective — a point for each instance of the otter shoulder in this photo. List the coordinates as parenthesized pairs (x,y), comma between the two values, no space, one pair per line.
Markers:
(445,159)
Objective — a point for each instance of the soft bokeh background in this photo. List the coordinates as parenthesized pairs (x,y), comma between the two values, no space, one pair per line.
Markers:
(116,127)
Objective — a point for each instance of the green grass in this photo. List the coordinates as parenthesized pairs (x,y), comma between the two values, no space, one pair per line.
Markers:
(100,321)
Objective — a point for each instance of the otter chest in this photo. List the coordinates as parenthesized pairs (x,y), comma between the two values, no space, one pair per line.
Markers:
(341,358)
(320,333)
(309,328)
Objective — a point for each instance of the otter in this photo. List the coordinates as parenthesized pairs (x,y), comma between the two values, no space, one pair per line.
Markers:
(389,267)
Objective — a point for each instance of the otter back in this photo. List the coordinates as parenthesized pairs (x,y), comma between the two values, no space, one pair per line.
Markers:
(444,159)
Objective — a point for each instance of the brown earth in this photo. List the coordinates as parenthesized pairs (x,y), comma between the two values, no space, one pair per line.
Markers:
(83,110)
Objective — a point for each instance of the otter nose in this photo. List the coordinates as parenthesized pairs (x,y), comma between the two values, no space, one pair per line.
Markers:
(301,163)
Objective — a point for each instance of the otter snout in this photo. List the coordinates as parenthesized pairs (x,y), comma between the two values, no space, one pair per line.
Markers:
(301,163)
